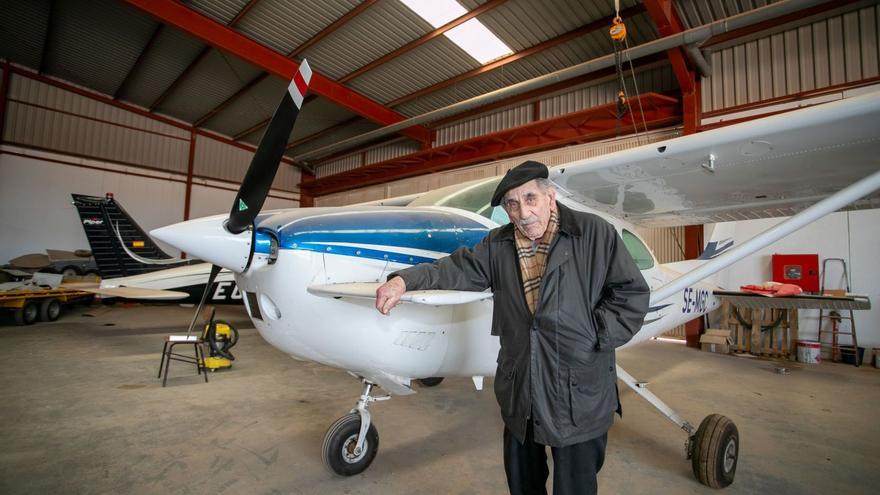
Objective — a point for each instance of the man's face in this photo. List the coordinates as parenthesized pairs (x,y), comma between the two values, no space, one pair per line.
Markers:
(529,208)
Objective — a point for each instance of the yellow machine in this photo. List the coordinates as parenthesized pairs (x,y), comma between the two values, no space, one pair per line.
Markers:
(220,336)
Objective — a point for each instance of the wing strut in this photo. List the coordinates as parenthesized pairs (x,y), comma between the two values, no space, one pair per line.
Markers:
(828,205)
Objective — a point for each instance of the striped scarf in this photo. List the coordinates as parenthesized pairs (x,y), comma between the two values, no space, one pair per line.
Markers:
(533,260)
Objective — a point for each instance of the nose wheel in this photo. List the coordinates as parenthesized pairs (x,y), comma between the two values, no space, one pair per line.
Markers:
(352,442)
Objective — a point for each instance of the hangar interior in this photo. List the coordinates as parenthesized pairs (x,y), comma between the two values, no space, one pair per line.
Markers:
(161,106)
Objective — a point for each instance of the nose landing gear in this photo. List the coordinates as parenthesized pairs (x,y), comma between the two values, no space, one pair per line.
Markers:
(352,442)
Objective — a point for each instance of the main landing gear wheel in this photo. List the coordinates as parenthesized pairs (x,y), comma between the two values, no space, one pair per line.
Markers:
(340,452)
(715,450)
(431,382)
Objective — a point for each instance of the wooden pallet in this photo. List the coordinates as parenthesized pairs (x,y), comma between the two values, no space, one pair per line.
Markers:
(777,342)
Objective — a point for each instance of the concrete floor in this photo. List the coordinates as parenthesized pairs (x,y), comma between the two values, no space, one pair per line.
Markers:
(83,412)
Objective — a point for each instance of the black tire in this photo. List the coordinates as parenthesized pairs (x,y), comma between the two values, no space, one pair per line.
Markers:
(715,452)
(339,443)
(431,382)
(50,309)
(27,314)
(69,271)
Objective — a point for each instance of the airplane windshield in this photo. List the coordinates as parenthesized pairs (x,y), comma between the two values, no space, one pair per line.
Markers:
(475,197)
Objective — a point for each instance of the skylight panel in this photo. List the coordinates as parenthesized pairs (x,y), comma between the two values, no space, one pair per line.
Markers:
(476,39)
(472,36)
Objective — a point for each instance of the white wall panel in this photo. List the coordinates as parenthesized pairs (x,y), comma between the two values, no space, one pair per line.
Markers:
(848,235)
(36,211)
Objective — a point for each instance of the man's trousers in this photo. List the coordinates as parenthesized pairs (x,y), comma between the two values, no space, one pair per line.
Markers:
(574,467)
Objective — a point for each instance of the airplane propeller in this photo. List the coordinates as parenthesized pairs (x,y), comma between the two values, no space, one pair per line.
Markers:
(257,182)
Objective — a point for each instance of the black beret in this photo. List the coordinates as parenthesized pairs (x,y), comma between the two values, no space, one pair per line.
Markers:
(518,176)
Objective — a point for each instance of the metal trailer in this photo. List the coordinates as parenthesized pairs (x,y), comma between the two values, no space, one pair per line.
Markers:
(29,305)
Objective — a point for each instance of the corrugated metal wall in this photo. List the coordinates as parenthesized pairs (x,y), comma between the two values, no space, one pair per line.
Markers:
(223,161)
(390,151)
(655,79)
(667,243)
(599,93)
(836,50)
(47,117)
(668,246)
(484,124)
(428,182)
(339,165)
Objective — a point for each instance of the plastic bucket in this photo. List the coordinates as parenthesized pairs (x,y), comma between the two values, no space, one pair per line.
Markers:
(808,351)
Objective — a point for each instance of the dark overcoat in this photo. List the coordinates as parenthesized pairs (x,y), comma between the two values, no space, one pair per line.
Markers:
(556,367)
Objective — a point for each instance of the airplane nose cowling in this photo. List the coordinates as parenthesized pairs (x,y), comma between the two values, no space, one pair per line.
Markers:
(207,239)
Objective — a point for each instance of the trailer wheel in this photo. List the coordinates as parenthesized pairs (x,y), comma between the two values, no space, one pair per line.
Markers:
(69,272)
(27,314)
(50,309)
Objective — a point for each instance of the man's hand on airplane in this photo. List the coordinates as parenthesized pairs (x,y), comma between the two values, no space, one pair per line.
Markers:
(389,294)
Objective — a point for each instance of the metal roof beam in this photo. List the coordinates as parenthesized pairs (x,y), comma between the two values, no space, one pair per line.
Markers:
(668,23)
(540,47)
(224,38)
(482,9)
(666,20)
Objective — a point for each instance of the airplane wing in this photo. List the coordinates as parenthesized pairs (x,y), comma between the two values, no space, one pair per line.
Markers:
(367,290)
(770,167)
(128,292)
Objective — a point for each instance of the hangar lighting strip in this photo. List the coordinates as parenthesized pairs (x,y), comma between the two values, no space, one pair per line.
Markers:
(472,36)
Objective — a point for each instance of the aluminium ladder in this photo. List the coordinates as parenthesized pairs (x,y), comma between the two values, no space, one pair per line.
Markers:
(838,349)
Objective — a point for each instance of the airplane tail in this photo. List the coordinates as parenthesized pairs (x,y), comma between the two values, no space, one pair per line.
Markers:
(98,217)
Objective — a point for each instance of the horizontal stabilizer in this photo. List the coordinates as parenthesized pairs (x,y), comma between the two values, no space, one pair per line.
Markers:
(129,292)
(367,290)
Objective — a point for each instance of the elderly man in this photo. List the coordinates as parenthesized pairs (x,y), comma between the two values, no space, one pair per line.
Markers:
(567,293)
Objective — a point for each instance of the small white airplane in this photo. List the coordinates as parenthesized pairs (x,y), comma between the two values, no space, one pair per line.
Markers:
(309,275)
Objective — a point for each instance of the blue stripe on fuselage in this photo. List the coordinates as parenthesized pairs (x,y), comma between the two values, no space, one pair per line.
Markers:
(438,231)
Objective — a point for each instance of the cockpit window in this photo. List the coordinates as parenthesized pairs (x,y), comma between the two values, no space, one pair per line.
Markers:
(475,197)
(637,249)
